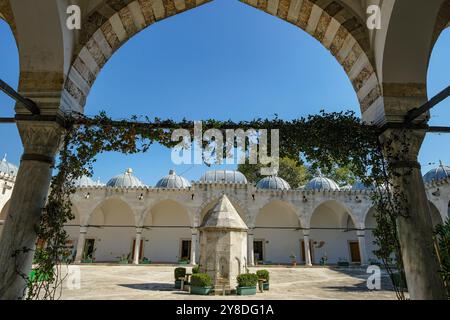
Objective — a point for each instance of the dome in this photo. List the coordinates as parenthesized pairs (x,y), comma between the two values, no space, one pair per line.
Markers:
(86,181)
(173,181)
(321,183)
(223,176)
(439,173)
(8,168)
(273,183)
(125,180)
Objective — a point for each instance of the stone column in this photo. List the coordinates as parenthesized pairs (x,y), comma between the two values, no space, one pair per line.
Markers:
(362,246)
(80,244)
(414,231)
(308,260)
(194,248)
(250,252)
(137,245)
(41,141)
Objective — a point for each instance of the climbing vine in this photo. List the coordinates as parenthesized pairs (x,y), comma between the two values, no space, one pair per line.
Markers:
(323,140)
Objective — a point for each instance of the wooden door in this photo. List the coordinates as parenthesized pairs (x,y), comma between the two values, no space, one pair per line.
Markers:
(354,252)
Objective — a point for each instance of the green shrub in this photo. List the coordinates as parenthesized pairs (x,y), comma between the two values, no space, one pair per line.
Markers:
(247,280)
(263,274)
(179,273)
(195,269)
(201,280)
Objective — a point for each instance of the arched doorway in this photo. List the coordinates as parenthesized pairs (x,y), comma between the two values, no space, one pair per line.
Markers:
(277,233)
(111,231)
(370,224)
(167,233)
(333,235)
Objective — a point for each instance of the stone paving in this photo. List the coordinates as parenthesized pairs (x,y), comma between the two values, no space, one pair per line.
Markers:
(156,282)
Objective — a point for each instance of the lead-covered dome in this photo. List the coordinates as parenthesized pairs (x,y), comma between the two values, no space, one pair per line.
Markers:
(439,173)
(223,176)
(321,183)
(273,183)
(173,181)
(125,180)
(8,168)
(86,181)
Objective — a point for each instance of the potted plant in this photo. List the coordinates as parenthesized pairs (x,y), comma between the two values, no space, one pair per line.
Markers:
(88,258)
(343,262)
(179,273)
(264,276)
(246,284)
(145,261)
(183,260)
(123,259)
(201,284)
(195,269)
(323,260)
(293,259)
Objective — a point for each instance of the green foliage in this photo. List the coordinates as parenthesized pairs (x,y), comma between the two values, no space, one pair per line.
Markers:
(442,233)
(247,280)
(201,280)
(195,269)
(263,274)
(290,170)
(342,175)
(179,273)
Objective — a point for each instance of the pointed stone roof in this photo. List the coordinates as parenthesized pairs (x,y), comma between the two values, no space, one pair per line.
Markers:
(224,216)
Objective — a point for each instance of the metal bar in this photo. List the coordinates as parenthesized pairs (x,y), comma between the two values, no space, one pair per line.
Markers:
(439,129)
(415,113)
(27,103)
(7,120)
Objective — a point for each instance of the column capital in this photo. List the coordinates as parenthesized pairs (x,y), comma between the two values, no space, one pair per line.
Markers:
(40,139)
(360,233)
(306,232)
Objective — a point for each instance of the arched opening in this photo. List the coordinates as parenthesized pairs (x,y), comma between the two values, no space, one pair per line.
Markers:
(436,217)
(111,231)
(370,224)
(277,233)
(333,235)
(167,233)
(3,215)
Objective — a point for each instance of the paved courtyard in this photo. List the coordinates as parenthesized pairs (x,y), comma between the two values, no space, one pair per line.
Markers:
(156,282)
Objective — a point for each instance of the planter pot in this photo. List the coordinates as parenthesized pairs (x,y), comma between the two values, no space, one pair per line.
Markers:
(294,263)
(204,291)
(266,286)
(246,291)
(183,262)
(177,284)
(87,261)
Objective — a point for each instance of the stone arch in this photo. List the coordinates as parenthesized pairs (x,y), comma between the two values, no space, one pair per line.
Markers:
(436,217)
(210,202)
(167,227)
(112,227)
(332,232)
(4,211)
(330,22)
(278,227)
(7,15)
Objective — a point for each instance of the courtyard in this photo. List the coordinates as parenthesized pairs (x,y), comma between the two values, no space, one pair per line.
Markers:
(108,282)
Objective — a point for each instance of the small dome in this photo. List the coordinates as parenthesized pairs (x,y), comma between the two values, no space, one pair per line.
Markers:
(125,180)
(86,181)
(173,181)
(223,176)
(274,183)
(321,183)
(8,168)
(439,173)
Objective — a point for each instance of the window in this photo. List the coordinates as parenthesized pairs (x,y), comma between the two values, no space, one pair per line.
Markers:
(258,250)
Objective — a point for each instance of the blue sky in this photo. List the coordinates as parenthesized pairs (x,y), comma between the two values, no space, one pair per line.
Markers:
(222,60)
